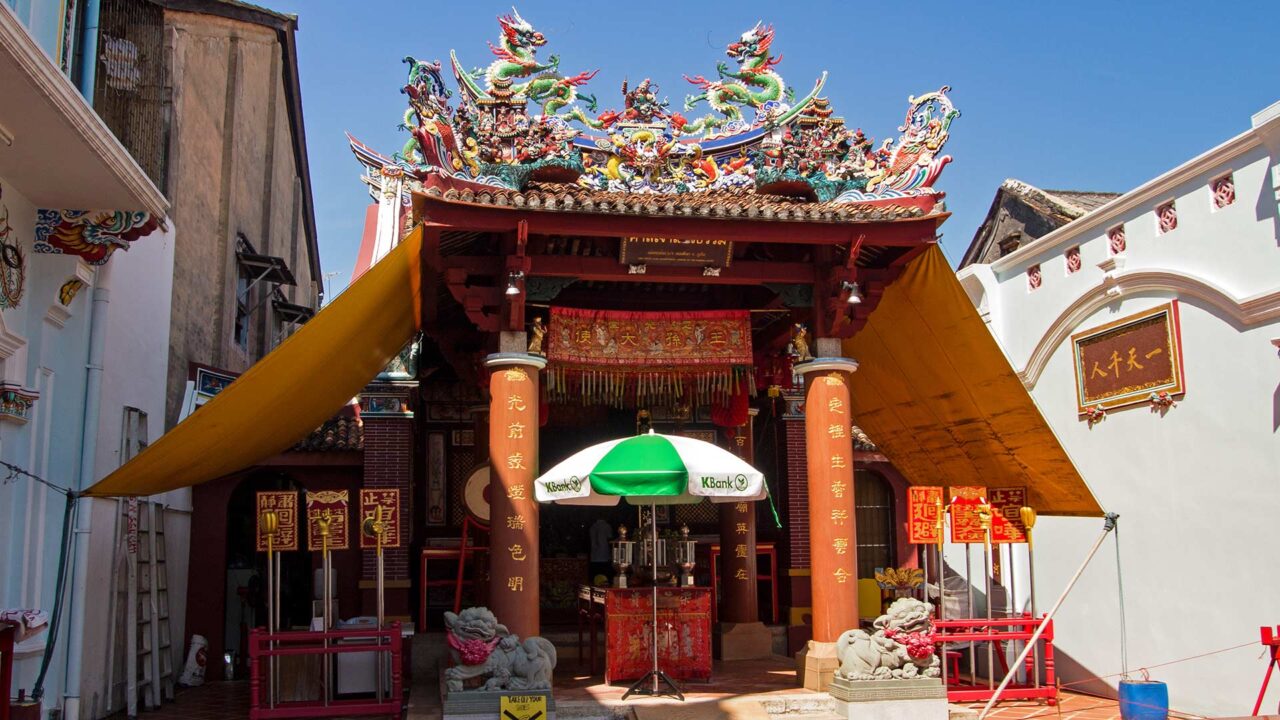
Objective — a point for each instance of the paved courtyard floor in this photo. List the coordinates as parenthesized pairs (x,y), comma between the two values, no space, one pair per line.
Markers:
(744,690)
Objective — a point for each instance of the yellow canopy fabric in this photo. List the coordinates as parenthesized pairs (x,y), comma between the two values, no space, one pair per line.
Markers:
(291,391)
(937,395)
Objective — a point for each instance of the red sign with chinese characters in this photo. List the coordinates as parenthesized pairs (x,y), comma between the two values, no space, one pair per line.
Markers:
(1129,360)
(1006,514)
(285,505)
(922,514)
(388,499)
(965,525)
(328,505)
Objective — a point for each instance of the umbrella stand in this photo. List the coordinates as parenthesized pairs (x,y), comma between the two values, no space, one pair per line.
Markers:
(655,676)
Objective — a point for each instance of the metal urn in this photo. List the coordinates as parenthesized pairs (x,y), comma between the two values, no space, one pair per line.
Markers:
(686,550)
(623,552)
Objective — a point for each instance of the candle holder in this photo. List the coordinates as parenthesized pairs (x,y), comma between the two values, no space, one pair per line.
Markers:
(623,553)
(686,550)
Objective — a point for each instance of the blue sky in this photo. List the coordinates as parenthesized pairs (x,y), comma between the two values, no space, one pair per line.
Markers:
(1066,95)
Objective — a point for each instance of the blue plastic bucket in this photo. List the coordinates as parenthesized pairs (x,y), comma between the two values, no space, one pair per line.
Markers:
(1144,700)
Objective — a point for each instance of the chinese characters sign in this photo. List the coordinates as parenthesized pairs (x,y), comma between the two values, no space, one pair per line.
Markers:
(285,506)
(674,251)
(923,503)
(388,499)
(965,525)
(1125,361)
(330,506)
(1006,514)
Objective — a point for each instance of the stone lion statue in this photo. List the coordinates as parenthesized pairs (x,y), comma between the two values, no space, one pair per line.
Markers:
(486,656)
(900,648)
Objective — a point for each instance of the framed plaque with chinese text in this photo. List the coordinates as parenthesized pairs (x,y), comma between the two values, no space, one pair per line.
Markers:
(1006,514)
(388,499)
(334,506)
(1129,360)
(285,505)
(922,514)
(436,479)
(965,525)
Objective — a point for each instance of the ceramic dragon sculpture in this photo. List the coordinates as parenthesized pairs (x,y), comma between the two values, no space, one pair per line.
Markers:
(516,59)
(753,84)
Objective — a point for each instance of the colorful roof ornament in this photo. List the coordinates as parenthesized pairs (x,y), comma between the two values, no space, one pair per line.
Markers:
(92,235)
(783,146)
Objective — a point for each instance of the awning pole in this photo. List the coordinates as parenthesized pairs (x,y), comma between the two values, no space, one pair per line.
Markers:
(1109,525)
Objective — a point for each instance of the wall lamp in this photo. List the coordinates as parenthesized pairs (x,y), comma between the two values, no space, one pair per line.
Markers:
(513,282)
(855,297)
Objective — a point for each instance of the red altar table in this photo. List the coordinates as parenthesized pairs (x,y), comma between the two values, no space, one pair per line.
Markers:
(684,633)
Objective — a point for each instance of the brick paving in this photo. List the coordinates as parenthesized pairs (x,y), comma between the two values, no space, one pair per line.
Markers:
(765,681)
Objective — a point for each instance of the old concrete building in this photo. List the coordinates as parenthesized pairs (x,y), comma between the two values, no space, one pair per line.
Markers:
(1021,213)
(237,170)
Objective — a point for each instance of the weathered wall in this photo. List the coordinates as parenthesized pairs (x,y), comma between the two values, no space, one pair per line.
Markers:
(232,173)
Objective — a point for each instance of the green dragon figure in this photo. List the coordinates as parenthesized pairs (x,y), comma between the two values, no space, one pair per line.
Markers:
(516,59)
(754,84)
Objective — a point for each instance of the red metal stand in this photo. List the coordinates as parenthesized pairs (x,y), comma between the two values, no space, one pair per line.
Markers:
(7,633)
(999,631)
(1271,640)
(314,643)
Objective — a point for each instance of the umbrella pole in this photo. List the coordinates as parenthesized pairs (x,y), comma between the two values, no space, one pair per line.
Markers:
(656,676)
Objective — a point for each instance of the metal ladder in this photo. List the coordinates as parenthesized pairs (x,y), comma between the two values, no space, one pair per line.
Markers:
(141,584)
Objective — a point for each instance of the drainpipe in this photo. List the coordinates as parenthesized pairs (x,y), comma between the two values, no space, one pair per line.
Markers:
(77,594)
(89,48)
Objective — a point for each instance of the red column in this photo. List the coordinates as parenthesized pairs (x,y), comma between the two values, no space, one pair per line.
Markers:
(738,584)
(513,518)
(833,548)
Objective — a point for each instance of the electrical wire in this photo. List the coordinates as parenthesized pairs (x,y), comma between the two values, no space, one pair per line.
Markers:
(16,472)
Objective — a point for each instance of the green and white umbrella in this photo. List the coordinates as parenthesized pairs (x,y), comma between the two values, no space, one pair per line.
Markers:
(650,469)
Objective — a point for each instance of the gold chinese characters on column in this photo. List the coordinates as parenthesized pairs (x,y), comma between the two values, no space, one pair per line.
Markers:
(833,549)
(513,437)
(285,506)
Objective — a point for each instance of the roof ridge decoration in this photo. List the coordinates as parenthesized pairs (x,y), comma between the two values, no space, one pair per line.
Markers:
(787,147)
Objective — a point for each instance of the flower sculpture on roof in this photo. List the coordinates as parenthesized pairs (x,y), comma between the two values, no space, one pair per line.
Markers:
(789,146)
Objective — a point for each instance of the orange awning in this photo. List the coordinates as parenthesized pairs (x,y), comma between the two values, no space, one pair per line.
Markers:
(937,395)
(291,391)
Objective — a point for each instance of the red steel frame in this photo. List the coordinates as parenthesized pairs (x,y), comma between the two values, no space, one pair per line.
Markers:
(1000,631)
(313,643)
(7,633)
(1270,640)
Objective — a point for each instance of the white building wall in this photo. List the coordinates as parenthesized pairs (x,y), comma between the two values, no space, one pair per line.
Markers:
(1197,487)
(135,361)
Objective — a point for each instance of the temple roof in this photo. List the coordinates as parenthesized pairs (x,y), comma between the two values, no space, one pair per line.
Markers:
(758,145)
(339,433)
(739,204)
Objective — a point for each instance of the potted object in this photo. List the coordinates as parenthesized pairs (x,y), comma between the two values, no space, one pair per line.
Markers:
(1144,699)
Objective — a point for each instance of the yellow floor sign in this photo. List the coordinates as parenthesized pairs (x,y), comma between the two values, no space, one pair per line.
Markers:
(524,707)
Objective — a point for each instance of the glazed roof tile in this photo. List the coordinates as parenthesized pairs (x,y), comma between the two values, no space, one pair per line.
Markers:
(336,434)
(744,204)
